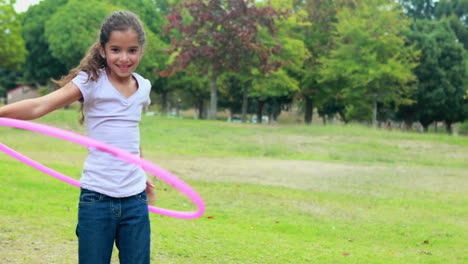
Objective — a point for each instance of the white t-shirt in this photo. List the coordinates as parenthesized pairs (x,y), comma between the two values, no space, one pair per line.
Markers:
(113,119)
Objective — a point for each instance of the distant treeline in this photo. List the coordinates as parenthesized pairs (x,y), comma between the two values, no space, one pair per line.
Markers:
(364,60)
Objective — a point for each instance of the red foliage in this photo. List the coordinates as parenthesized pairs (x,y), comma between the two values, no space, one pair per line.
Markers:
(223,35)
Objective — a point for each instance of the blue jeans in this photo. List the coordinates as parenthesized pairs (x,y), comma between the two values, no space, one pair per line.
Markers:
(103,220)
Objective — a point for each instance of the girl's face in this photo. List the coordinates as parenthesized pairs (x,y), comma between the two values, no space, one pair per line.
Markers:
(122,53)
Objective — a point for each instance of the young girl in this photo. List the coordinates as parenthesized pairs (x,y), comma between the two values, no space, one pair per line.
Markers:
(113,203)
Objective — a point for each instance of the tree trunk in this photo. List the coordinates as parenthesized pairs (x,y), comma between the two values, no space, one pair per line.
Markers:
(164,102)
(201,108)
(449,127)
(260,111)
(408,124)
(213,98)
(342,115)
(245,92)
(177,107)
(274,118)
(309,110)
(374,112)
(425,122)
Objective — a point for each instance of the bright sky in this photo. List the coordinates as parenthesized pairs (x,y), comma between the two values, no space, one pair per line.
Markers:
(22,5)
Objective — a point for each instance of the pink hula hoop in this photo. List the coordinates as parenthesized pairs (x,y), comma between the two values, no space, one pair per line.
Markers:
(119,153)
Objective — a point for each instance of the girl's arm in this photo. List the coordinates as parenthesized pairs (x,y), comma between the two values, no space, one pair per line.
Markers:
(37,107)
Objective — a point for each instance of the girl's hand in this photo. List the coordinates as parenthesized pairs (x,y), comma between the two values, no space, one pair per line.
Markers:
(150,192)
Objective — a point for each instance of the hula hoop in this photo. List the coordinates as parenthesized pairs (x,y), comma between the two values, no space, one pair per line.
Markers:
(119,153)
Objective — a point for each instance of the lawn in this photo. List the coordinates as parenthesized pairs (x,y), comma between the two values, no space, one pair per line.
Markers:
(274,194)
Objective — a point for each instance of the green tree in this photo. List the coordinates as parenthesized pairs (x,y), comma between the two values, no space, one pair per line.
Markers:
(69,37)
(12,46)
(9,79)
(457,13)
(331,106)
(315,26)
(192,89)
(231,89)
(370,53)
(442,75)
(153,58)
(71,33)
(272,88)
(418,9)
(40,65)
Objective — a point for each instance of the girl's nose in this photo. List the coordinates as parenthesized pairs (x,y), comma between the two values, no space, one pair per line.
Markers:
(124,56)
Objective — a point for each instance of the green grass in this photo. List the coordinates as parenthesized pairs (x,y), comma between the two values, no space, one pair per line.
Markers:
(275,194)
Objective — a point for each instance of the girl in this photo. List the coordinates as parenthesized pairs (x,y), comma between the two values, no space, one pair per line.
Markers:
(113,203)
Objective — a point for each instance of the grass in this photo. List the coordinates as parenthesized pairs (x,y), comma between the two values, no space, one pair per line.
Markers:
(274,194)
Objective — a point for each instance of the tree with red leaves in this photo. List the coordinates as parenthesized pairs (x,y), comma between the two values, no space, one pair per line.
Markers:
(218,36)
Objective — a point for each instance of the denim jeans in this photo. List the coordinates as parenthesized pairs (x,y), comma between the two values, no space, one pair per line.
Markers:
(103,220)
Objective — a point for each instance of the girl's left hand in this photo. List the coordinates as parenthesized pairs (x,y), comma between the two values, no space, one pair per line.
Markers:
(150,192)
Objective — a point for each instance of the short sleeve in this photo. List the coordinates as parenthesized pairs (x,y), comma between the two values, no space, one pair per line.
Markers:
(148,101)
(83,83)
(145,86)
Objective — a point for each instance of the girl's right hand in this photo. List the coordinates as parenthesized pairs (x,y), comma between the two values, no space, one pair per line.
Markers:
(150,191)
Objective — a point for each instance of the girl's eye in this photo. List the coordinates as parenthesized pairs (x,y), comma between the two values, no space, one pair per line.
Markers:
(114,50)
(133,50)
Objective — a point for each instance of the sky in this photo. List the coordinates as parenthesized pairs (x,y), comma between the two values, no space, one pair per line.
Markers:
(22,5)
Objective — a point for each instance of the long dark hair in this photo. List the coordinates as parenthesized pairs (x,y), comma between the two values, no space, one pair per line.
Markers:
(93,62)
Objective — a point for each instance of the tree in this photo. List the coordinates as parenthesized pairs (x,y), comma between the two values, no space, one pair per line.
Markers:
(445,8)
(192,89)
(272,88)
(418,9)
(151,12)
(457,13)
(67,38)
(8,80)
(315,26)
(331,101)
(370,53)
(442,75)
(230,86)
(274,92)
(70,36)
(220,36)
(12,47)
(153,58)
(40,65)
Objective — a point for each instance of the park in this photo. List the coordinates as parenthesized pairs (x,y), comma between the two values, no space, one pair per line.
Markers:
(282,194)
(315,131)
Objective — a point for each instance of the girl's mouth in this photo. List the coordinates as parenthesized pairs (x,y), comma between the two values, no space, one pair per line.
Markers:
(123,68)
